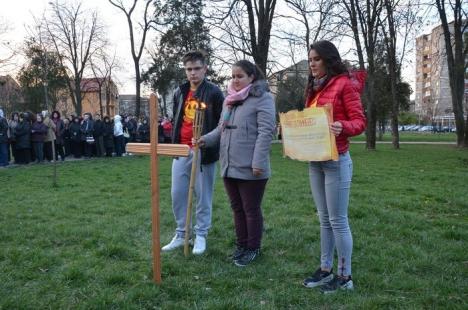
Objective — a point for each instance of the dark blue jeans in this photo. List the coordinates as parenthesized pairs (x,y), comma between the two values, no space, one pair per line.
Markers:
(119,145)
(39,151)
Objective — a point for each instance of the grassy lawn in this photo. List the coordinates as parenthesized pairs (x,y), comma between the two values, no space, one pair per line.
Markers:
(86,244)
(406,136)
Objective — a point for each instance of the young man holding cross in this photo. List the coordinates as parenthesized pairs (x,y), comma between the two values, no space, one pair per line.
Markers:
(186,97)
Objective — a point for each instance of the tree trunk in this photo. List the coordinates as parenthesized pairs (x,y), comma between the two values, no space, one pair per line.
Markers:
(466,131)
(390,43)
(371,111)
(78,106)
(137,88)
(108,100)
(100,99)
(456,65)
(395,103)
(164,107)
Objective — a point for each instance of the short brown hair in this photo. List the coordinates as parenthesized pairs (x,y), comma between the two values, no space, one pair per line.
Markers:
(195,56)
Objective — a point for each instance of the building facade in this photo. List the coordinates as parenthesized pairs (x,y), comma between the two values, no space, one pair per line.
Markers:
(98,95)
(433,98)
(300,69)
(11,97)
(127,104)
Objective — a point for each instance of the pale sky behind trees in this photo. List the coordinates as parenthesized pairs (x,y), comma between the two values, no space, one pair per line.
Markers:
(18,14)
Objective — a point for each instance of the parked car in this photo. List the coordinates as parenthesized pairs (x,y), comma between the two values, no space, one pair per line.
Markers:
(426,128)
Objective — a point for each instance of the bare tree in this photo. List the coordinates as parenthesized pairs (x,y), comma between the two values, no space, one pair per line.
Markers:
(76,35)
(364,20)
(135,49)
(456,52)
(316,17)
(6,47)
(231,20)
(102,65)
(399,19)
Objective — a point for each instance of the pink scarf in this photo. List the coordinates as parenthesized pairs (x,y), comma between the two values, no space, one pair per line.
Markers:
(233,97)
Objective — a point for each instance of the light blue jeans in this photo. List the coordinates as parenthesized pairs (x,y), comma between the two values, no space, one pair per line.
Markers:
(204,186)
(330,182)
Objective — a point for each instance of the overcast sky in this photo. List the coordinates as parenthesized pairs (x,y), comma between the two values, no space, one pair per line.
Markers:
(18,14)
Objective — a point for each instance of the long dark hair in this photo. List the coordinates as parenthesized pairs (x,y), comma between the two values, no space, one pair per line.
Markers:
(333,64)
(250,69)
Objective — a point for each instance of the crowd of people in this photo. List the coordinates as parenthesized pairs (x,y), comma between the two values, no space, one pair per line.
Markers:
(28,137)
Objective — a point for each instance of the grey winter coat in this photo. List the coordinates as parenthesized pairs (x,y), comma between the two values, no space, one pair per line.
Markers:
(246,140)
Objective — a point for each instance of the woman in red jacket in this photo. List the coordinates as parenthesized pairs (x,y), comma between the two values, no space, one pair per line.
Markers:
(330,181)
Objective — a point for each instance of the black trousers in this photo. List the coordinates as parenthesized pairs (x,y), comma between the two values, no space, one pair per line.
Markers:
(48,150)
(23,156)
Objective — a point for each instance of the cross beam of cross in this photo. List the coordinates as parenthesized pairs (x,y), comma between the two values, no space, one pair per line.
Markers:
(154,149)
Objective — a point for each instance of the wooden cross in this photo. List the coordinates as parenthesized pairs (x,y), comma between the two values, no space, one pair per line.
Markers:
(154,149)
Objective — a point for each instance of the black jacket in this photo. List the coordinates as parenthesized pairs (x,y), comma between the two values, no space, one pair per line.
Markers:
(108,134)
(59,130)
(98,128)
(3,130)
(87,129)
(23,135)
(144,132)
(212,96)
(75,132)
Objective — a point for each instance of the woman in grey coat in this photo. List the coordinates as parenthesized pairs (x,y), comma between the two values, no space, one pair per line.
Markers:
(245,132)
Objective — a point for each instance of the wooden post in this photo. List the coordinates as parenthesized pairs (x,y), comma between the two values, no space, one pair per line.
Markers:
(154,149)
(55,163)
(155,189)
(197,130)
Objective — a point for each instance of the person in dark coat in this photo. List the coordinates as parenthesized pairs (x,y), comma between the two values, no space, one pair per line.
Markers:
(127,129)
(66,136)
(133,128)
(12,126)
(59,133)
(143,132)
(87,131)
(38,135)
(75,137)
(3,140)
(186,98)
(108,136)
(98,135)
(23,139)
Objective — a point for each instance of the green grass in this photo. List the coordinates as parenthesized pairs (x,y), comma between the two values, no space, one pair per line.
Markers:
(416,137)
(87,243)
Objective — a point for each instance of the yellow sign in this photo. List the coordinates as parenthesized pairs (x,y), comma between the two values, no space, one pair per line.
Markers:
(307,136)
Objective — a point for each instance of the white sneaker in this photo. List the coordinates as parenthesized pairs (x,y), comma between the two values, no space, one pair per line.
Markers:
(200,245)
(175,243)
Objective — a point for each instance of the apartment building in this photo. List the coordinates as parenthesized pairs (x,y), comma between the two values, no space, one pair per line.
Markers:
(433,99)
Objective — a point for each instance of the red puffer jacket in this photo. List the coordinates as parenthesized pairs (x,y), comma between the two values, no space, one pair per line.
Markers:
(343,91)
